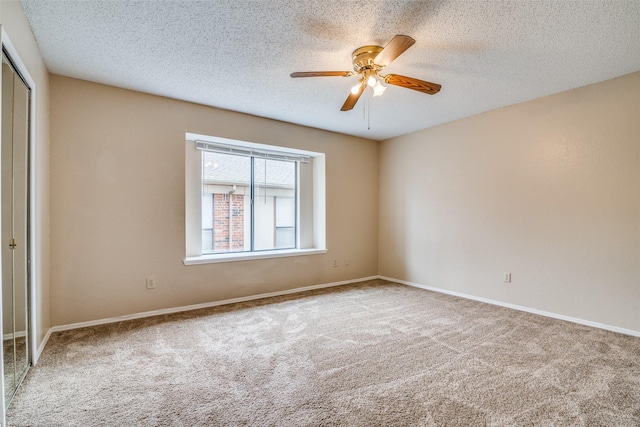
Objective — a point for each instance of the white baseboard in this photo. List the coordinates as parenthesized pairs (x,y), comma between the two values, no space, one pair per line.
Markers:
(518,307)
(11,335)
(198,306)
(40,348)
(321,286)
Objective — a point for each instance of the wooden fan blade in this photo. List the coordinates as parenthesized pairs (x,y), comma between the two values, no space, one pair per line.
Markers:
(393,49)
(322,74)
(352,99)
(411,83)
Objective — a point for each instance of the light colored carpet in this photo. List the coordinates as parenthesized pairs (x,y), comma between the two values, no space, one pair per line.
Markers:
(370,354)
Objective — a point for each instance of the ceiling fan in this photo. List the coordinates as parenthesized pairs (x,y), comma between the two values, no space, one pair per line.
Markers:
(368,61)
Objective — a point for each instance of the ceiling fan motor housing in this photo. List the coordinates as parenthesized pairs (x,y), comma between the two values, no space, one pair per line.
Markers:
(363,57)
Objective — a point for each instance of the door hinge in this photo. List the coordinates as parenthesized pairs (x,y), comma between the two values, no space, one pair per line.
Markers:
(12,243)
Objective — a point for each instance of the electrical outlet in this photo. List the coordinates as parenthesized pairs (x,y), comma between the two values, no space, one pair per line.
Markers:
(506,277)
(151,282)
(335,262)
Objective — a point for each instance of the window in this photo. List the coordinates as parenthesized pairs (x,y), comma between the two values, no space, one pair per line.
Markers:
(285,221)
(248,203)
(246,200)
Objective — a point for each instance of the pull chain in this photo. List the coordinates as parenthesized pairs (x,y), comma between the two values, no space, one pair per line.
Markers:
(368,112)
(366,108)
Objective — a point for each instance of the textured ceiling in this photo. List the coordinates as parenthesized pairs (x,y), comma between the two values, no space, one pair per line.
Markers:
(238,54)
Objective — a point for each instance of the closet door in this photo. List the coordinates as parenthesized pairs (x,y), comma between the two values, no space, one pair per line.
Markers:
(14,231)
(8,312)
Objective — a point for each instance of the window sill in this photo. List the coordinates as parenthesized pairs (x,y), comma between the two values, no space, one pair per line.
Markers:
(244,256)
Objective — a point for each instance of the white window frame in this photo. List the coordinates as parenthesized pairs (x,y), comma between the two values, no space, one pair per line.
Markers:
(311,205)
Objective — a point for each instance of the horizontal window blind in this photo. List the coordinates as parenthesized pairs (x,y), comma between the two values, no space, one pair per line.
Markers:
(237,150)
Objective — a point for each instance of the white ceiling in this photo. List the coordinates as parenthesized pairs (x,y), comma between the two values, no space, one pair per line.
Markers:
(238,54)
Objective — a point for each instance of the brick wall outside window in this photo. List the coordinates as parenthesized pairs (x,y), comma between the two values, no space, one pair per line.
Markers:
(221,222)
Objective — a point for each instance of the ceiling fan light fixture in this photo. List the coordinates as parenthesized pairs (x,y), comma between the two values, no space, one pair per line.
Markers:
(356,88)
(371,80)
(378,88)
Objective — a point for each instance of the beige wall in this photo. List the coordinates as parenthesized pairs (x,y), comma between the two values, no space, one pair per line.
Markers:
(17,28)
(548,190)
(117,211)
